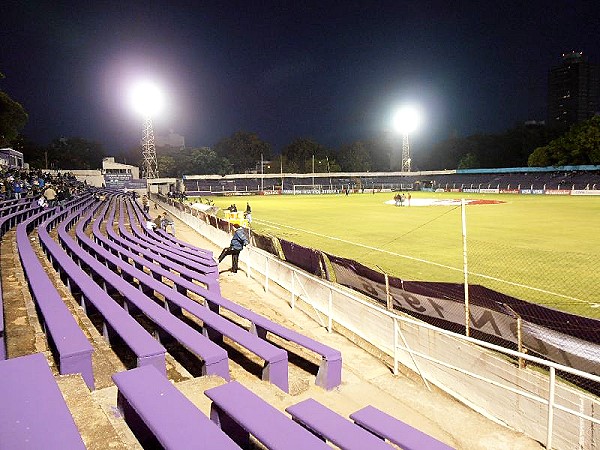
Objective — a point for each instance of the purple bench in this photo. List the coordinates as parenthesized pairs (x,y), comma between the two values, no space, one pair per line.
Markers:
(329,374)
(214,357)
(394,430)
(2,344)
(116,321)
(160,416)
(206,261)
(241,413)
(131,243)
(168,238)
(166,253)
(275,369)
(66,339)
(34,413)
(327,424)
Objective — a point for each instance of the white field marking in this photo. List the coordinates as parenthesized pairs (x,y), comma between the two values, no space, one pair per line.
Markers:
(333,238)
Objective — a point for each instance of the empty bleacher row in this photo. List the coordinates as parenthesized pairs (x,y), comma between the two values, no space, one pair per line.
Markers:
(115,268)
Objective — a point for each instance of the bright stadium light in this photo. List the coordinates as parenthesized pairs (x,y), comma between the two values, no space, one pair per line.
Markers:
(147,99)
(405,121)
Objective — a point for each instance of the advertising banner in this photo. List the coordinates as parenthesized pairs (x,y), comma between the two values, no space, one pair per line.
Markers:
(585,192)
(578,347)
(123,181)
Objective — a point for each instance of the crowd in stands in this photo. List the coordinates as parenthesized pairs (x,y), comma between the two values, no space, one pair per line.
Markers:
(50,189)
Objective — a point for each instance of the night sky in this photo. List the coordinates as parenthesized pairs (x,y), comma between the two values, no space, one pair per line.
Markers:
(331,71)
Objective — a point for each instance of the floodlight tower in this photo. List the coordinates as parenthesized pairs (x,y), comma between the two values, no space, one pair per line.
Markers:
(406,121)
(149,163)
(147,100)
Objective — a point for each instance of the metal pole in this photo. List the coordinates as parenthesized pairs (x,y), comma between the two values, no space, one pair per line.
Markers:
(388,296)
(395,345)
(465,269)
(330,312)
(551,389)
(313,171)
(262,173)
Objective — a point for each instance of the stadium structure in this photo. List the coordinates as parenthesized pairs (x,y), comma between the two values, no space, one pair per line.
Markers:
(524,180)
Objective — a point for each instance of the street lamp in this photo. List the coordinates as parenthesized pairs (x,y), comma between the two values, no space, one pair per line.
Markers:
(406,120)
(147,99)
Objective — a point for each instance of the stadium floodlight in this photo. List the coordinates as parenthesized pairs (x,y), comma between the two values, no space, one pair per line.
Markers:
(406,120)
(147,99)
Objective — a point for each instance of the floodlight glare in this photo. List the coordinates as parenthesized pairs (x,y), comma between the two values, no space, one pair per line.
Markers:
(146,98)
(406,120)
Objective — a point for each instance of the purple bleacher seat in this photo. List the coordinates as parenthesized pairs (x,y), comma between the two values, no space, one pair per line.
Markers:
(66,339)
(276,362)
(161,416)
(34,414)
(330,425)
(241,413)
(214,357)
(394,430)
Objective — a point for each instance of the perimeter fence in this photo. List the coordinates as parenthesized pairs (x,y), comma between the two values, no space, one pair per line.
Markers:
(528,334)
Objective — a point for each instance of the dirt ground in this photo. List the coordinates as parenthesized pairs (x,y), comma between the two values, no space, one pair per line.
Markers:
(366,380)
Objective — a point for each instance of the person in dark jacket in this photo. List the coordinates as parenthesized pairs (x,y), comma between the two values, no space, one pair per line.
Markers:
(238,242)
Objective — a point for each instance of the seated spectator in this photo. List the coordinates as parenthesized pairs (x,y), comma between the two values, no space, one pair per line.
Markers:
(50,195)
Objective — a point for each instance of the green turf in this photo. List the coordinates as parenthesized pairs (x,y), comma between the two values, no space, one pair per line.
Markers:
(543,249)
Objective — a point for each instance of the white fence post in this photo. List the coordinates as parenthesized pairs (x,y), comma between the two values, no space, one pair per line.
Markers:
(330,312)
(266,274)
(551,389)
(395,345)
(292,291)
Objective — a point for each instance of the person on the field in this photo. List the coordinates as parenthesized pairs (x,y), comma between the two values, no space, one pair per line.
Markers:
(238,242)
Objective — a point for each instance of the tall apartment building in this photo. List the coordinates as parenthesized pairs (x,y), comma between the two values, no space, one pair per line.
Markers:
(573,91)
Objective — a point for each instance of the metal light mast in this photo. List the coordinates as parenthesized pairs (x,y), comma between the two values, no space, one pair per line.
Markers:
(405,153)
(149,163)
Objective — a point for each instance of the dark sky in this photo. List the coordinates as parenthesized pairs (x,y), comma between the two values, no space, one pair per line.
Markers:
(329,70)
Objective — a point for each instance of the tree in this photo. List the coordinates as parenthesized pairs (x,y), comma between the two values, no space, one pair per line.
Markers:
(469,161)
(579,146)
(12,118)
(243,150)
(354,157)
(167,166)
(205,161)
(74,153)
(299,155)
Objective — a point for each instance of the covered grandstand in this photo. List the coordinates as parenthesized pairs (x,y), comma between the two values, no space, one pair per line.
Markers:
(524,180)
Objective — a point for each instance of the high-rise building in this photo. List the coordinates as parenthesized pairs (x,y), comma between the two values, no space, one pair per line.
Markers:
(573,91)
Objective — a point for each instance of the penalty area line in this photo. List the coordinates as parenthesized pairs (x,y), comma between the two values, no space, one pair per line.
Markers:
(412,258)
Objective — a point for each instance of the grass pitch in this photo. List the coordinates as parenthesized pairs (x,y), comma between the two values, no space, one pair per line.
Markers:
(539,248)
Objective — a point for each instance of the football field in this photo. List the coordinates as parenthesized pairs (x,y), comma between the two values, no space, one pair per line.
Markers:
(539,248)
